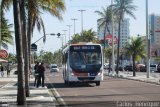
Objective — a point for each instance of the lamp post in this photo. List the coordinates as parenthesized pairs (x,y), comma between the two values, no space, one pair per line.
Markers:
(43,37)
(82,18)
(112,22)
(64,36)
(74,24)
(69,33)
(148,42)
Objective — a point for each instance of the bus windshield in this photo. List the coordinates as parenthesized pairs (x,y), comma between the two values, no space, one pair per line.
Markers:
(85,58)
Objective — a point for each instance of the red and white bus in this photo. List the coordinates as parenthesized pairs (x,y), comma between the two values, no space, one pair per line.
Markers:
(83,62)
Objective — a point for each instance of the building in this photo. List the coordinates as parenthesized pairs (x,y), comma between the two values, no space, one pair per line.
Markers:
(125,33)
(154,22)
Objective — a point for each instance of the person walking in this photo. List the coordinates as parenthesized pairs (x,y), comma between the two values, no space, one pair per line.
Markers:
(36,73)
(41,76)
(8,70)
(2,70)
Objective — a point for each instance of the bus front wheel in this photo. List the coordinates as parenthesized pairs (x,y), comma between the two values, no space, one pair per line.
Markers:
(98,83)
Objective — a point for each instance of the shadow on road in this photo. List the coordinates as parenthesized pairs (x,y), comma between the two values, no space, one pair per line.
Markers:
(62,85)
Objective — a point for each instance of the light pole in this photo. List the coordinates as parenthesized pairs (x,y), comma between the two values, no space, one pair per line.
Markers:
(69,33)
(112,22)
(82,18)
(43,37)
(74,24)
(148,42)
(64,36)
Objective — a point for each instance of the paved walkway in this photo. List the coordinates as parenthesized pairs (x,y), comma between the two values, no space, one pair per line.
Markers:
(155,79)
(39,97)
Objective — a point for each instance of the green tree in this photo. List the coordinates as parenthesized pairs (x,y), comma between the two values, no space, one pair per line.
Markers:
(6,34)
(136,50)
(55,7)
(104,21)
(88,36)
(120,8)
(12,58)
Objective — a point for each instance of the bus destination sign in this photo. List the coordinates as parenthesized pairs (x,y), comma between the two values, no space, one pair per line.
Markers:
(90,47)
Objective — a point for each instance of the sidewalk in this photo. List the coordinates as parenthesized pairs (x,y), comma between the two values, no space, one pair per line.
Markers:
(142,77)
(39,97)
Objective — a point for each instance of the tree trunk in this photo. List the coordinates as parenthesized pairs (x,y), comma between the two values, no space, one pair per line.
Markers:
(25,48)
(29,34)
(118,47)
(21,96)
(104,37)
(134,67)
(110,64)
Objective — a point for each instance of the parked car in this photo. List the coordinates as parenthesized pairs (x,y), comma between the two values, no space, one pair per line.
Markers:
(153,67)
(128,68)
(54,68)
(121,68)
(140,67)
(158,67)
(106,66)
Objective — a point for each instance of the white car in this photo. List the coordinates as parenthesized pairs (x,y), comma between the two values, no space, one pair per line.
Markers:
(153,67)
(54,68)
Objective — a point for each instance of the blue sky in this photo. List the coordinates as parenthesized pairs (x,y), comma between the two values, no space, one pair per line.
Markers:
(53,25)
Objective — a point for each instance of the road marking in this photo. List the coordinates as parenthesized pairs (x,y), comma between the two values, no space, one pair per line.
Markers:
(59,98)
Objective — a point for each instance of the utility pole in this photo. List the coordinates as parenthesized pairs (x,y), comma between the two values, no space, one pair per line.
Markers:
(112,22)
(148,42)
(82,19)
(74,24)
(69,33)
(64,36)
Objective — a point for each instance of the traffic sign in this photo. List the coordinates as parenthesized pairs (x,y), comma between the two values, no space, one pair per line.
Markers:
(3,54)
(33,47)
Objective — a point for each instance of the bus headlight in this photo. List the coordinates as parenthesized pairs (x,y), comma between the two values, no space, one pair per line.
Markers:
(72,74)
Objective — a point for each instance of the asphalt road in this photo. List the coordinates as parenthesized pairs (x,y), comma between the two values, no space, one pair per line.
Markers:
(113,92)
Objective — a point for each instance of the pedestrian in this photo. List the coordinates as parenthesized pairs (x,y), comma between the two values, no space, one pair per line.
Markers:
(2,70)
(36,73)
(8,70)
(41,76)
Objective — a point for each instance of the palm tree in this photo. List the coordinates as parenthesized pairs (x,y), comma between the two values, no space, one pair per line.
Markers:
(5,37)
(136,50)
(55,7)
(105,20)
(21,97)
(120,8)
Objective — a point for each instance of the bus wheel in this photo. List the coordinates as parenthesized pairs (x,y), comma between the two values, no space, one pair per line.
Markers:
(98,83)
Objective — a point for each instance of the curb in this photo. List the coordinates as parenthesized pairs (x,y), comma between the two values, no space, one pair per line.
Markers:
(121,76)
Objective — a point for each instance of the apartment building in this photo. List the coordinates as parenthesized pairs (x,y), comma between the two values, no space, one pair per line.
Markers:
(154,22)
(124,33)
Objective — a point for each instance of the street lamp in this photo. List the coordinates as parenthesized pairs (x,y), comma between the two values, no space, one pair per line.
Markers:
(74,24)
(82,18)
(112,22)
(148,42)
(43,37)
(69,33)
(65,36)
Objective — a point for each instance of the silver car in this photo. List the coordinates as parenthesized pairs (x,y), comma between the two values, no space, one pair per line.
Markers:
(54,68)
